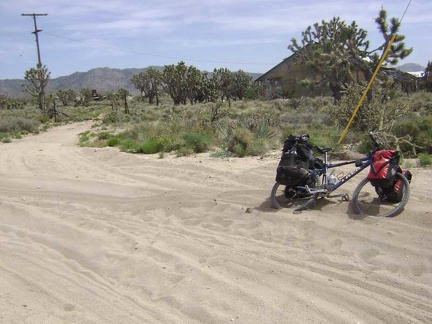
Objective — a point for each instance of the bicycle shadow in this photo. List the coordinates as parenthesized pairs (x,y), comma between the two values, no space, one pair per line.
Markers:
(319,204)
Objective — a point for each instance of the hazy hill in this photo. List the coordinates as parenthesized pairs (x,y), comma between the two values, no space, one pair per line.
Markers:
(100,79)
(411,67)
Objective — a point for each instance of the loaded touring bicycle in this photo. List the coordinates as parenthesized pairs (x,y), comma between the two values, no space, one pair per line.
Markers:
(300,176)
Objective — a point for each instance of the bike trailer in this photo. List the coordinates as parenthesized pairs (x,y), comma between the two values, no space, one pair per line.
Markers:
(385,164)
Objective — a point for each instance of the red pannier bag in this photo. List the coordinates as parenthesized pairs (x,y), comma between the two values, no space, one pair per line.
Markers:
(383,168)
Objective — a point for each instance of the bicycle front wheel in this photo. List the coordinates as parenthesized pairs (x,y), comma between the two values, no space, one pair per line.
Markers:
(367,201)
(282,196)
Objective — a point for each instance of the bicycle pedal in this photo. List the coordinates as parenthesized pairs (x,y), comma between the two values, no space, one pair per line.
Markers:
(345,197)
(307,205)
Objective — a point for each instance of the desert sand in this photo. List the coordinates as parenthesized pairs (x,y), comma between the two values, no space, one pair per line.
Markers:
(94,235)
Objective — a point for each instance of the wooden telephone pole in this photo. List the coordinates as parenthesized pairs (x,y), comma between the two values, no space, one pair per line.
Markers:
(39,65)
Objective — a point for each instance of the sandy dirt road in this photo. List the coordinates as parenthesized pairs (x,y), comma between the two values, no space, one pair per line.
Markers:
(99,236)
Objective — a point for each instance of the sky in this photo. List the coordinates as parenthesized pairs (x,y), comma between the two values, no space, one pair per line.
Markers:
(248,35)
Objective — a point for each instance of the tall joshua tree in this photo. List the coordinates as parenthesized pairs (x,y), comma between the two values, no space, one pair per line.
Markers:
(336,50)
(37,82)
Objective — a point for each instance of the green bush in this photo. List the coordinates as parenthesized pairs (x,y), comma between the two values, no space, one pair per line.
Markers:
(104,136)
(419,128)
(84,137)
(113,142)
(240,140)
(130,145)
(184,151)
(239,150)
(241,129)
(243,142)
(17,124)
(197,142)
(151,146)
(425,159)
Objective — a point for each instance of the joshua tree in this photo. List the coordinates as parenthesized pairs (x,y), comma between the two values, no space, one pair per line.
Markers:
(37,81)
(337,50)
(148,83)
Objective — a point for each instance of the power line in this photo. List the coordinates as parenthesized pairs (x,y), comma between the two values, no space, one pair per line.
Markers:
(406,9)
(154,55)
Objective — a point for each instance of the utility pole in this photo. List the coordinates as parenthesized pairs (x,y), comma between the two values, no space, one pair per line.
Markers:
(36,31)
(39,65)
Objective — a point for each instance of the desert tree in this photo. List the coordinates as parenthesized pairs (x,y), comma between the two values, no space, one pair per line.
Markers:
(175,82)
(193,80)
(241,82)
(149,84)
(37,80)
(182,83)
(85,95)
(224,81)
(10,103)
(337,50)
(66,96)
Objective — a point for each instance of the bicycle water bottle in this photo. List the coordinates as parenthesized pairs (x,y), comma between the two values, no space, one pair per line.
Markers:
(332,179)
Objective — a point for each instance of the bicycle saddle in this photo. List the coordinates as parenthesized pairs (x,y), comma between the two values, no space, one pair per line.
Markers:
(324,149)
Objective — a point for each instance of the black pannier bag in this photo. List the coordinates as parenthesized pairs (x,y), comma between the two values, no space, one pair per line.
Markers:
(297,158)
(394,193)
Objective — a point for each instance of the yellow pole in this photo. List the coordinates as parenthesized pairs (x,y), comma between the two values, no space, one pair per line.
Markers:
(367,89)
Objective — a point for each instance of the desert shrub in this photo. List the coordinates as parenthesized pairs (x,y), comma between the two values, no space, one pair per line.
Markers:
(184,151)
(364,146)
(221,154)
(421,101)
(17,124)
(43,119)
(241,138)
(112,118)
(245,128)
(380,113)
(104,136)
(113,142)
(198,142)
(305,119)
(151,146)
(419,129)
(281,104)
(84,137)
(425,159)
(130,145)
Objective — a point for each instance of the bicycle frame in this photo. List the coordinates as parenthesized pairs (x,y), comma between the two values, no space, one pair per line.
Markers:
(361,164)
(365,162)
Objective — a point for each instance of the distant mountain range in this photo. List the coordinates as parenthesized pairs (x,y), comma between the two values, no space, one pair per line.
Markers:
(107,79)
(100,79)
(411,67)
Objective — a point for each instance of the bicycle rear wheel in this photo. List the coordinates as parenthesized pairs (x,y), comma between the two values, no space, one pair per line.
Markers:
(366,200)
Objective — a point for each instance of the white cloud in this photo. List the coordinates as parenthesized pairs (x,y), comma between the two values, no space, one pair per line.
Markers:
(248,30)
